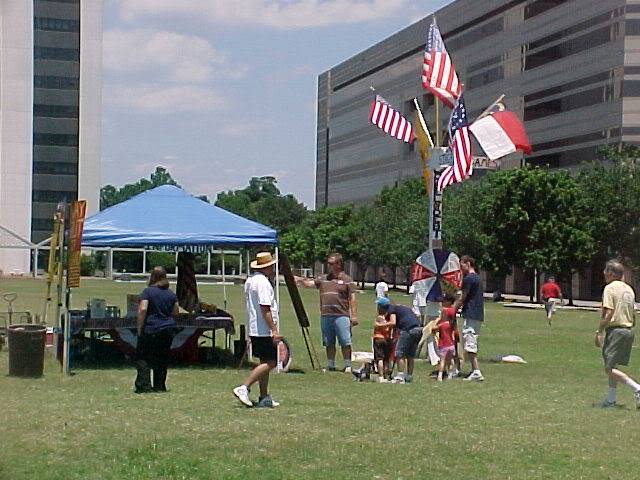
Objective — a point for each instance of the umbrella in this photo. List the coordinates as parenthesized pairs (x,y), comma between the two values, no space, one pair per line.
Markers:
(435,272)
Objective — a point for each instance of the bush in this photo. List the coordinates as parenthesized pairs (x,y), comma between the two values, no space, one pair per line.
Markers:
(87,265)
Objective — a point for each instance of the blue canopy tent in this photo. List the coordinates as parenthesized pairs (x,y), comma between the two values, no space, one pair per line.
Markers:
(168,217)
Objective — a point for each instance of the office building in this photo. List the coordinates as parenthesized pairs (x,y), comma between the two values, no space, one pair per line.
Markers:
(50,115)
(569,68)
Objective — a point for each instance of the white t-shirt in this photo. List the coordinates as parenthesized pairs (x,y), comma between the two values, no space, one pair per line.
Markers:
(258,291)
(381,289)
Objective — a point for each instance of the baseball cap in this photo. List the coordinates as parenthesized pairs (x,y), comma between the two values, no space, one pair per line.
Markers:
(383,302)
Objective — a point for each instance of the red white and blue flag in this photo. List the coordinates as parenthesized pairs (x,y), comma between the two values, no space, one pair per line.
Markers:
(438,74)
(390,121)
(460,145)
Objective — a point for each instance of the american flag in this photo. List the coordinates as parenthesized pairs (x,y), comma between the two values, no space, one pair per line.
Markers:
(460,145)
(390,120)
(438,74)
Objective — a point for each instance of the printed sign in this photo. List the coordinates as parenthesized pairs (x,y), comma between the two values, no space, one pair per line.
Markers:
(484,163)
(436,209)
(440,157)
(78,210)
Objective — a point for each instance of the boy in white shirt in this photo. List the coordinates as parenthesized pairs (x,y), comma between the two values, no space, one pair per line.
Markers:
(382,288)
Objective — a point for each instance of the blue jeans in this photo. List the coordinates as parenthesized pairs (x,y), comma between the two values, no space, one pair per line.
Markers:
(333,326)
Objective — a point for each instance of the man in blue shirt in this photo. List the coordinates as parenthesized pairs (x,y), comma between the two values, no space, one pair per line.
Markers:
(408,325)
(472,302)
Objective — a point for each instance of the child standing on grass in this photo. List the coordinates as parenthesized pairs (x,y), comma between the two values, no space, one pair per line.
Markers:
(382,345)
(447,302)
(447,339)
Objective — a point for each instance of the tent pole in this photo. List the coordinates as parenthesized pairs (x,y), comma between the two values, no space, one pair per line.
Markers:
(277,281)
(224,283)
(110,262)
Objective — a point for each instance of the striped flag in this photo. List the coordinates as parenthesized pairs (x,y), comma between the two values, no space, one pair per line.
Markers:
(460,145)
(438,74)
(390,121)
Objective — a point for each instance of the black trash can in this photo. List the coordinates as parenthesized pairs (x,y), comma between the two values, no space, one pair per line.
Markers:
(26,350)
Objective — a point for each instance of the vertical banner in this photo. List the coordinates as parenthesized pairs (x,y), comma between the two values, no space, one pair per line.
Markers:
(436,213)
(76,224)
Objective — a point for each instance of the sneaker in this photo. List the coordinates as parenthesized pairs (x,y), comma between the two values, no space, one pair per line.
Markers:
(267,402)
(328,369)
(347,370)
(637,396)
(398,379)
(408,379)
(605,404)
(474,376)
(450,375)
(242,394)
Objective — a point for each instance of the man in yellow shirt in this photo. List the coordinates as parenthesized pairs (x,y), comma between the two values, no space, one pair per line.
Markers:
(616,323)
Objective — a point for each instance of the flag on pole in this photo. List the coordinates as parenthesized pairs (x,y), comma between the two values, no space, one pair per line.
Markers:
(390,121)
(500,133)
(460,145)
(438,73)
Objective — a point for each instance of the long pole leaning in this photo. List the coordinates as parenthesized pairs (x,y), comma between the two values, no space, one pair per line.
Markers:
(51,265)
(487,110)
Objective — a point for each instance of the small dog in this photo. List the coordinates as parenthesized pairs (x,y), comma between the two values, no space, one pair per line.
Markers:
(363,373)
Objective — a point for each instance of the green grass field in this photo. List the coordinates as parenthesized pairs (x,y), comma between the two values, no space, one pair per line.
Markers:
(524,422)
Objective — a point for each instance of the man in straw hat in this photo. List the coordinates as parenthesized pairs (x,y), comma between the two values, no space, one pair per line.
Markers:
(262,325)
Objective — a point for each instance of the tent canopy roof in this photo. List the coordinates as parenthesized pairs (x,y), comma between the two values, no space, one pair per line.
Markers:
(169,217)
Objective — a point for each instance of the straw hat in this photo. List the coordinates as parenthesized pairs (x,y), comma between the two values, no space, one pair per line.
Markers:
(263,260)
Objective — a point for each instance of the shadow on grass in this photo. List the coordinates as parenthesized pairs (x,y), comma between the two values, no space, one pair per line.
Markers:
(105,356)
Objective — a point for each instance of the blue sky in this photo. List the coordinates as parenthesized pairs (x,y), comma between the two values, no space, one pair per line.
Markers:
(219,91)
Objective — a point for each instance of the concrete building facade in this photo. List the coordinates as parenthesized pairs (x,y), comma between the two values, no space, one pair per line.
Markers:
(569,68)
(50,115)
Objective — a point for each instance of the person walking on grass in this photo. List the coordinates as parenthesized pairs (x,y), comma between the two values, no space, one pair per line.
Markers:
(338,309)
(616,325)
(551,294)
(472,302)
(382,288)
(262,325)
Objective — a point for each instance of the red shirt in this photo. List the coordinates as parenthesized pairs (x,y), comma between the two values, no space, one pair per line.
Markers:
(550,290)
(447,333)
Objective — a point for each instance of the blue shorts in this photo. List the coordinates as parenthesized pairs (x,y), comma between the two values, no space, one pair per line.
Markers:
(408,343)
(332,327)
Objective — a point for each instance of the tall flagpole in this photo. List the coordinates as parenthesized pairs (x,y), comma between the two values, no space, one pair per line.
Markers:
(435,100)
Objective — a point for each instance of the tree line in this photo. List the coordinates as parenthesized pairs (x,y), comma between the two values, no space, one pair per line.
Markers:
(539,219)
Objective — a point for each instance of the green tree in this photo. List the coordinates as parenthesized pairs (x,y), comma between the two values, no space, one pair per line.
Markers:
(365,233)
(531,218)
(297,243)
(330,230)
(612,197)
(404,212)
(262,201)
(110,195)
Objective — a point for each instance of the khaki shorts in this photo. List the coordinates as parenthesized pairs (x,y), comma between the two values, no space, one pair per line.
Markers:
(470,331)
(617,347)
